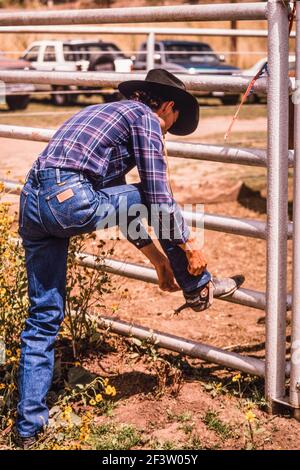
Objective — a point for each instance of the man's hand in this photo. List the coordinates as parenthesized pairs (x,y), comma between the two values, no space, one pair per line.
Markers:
(162,266)
(197,261)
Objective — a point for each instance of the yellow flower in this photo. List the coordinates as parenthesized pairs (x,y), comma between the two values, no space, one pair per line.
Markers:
(8,352)
(250,416)
(110,390)
(77,364)
(13,359)
(76,447)
(236,378)
(98,397)
(92,402)
(105,382)
(84,436)
(9,422)
(2,386)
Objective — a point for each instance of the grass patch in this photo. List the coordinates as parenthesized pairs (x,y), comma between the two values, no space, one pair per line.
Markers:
(113,437)
(212,108)
(60,114)
(252,139)
(213,422)
(166,445)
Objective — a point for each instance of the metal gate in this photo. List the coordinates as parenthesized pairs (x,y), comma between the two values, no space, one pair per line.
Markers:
(277,159)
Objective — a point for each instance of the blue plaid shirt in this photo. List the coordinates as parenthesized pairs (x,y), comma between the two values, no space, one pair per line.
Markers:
(106,141)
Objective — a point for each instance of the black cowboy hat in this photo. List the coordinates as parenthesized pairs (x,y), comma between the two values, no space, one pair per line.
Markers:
(165,85)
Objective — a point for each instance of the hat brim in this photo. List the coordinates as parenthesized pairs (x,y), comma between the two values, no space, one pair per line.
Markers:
(186,103)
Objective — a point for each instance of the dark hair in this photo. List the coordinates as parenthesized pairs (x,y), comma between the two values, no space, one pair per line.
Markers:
(154,102)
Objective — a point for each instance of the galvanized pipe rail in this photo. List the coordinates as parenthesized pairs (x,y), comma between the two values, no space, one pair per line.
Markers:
(245,11)
(247,297)
(277,214)
(219,223)
(215,153)
(247,364)
(223,32)
(104,79)
(208,152)
(295,336)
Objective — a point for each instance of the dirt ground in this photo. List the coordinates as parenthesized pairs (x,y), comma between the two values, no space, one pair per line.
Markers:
(207,391)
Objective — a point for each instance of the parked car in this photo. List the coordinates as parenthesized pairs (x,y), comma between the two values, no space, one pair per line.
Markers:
(17,95)
(71,56)
(252,71)
(188,57)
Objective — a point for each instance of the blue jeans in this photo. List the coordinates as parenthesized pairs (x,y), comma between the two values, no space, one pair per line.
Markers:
(45,225)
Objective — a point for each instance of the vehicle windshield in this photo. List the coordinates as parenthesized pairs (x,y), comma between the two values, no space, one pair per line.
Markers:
(198,53)
(75,52)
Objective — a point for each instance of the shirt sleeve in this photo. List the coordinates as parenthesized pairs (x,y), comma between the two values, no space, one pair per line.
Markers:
(148,151)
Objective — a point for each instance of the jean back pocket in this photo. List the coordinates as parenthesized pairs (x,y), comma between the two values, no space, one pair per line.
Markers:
(72,206)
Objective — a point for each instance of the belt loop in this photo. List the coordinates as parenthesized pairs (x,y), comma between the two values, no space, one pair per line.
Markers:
(36,176)
(27,176)
(57,172)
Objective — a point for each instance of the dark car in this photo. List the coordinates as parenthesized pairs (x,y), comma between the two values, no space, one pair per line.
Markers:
(189,57)
(16,95)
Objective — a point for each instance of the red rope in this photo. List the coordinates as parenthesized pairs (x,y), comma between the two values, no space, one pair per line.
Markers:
(292,15)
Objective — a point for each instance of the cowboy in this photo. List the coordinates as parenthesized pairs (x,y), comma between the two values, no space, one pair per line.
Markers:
(77,185)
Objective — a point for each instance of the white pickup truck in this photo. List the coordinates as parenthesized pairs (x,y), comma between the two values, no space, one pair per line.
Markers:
(15,95)
(71,56)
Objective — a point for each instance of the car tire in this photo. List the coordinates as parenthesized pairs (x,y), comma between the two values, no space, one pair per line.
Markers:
(63,99)
(17,102)
(105,64)
(102,64)
(111,97)
(230,100)
(252,99)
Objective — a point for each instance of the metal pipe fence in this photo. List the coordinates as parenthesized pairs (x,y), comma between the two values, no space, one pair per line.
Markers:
(104,79)
(219,223)
(276,159)
(216,153)
(295,337)
(178,31)
(245,11)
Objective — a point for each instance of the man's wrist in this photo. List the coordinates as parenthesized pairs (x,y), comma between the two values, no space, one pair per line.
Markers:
(189,244)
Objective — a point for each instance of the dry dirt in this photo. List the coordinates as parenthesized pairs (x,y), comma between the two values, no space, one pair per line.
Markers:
(227,325)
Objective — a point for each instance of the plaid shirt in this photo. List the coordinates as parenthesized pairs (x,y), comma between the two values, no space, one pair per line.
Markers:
(106,141)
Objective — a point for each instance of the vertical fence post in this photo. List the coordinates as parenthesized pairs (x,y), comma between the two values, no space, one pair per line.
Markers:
(150,50)
(295,337)
(277,200)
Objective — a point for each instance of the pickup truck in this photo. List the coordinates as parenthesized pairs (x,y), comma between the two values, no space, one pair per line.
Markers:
(188,57)
(15,95)
(71,56)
